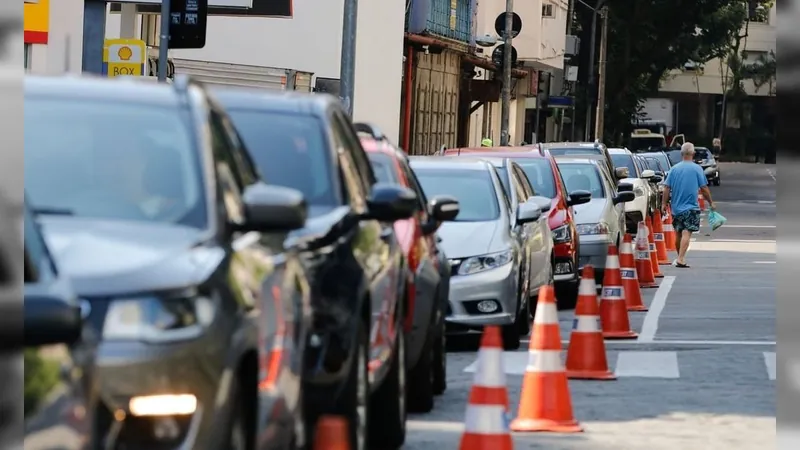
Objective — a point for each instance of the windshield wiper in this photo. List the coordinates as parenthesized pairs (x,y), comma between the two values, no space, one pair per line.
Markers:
(53,211)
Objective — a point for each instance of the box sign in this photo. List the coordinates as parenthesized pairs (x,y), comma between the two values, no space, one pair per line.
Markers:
(124,57)
(36,21)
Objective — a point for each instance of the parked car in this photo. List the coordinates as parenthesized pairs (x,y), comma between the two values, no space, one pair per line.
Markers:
(643,205)
(583,148)
(601,221)
(355,359)
(59,386)
(656,182)
(488,284)
(705,159)
(152,209)
(429,285)
(662,158)
(544,176)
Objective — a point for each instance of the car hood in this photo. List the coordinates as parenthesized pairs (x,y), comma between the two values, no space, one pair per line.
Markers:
(104,257)
(465,239)
(591,212)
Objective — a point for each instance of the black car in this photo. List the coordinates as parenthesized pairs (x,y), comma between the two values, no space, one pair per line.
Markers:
(59,388)
(357,269)
(152,209)
(705,159)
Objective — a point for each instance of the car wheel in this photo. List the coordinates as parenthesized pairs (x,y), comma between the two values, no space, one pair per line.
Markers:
(440,364)
(237,429)
(511,331)
(387,430)
(421,382)
(718,181)
(523,316)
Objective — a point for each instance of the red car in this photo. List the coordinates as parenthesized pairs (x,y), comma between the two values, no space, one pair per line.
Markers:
(429,283)
(545,177)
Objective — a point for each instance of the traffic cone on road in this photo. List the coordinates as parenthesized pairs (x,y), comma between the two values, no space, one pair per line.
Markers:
(486,424)
(651,244)
(613,306)
(545,402)
(669,233)
(644,267)
(586,353)
(658,237)
(331,434)
(630,279)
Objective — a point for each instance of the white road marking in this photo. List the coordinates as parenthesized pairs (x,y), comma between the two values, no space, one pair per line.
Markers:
(650,325)
(750,226)
(774,178)
(765,262)
(648,365)
(747,241)
(771,363)
(672,342)
(427,425)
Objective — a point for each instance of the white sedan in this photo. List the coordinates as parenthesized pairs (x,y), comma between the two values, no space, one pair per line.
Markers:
(638,209)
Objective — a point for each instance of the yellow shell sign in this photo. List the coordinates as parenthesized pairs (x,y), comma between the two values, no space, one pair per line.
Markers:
(124,57)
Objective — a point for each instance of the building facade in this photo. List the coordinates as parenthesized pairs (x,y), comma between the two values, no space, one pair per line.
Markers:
(53,36)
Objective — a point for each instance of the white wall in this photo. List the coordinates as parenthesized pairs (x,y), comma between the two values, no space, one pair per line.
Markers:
(64,50)
(311,41)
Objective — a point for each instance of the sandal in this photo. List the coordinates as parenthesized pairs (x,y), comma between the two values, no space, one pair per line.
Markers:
(682,266)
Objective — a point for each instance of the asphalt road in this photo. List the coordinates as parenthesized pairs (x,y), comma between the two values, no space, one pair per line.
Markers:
(701,375)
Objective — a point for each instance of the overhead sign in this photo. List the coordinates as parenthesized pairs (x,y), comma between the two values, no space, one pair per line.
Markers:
(36,21)
(124,57)
(214,3)
(250,8)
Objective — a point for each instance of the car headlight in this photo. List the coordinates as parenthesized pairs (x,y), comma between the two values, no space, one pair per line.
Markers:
(639,192)
(562,234)
(158,319)
(592,228)
(481,263)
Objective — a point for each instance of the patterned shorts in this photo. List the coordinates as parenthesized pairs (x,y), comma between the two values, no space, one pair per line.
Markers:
(687,220)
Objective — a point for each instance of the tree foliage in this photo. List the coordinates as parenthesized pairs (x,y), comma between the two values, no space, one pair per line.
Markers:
(649,38)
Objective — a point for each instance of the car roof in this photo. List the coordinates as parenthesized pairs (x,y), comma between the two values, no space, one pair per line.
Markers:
(577,160)
(372,145)
(444,162)
(496,161)
(287,102)
(514,152)
(520,149)
(92,87)
(619,151)
(547,145)
(592,157)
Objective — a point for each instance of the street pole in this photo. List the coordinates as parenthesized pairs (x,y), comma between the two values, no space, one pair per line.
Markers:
(163,42)
(589,103)
(564,82)
(505,112)
(347,69)
(601,73)
(538,106)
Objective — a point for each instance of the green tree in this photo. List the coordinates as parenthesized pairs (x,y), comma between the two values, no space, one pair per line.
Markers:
(647,39)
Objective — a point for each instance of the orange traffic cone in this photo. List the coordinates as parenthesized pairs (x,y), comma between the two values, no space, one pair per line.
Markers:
(613,307)
(669,233)
(630,280)
(486,424)
(331,434)
(651,243)
(545,403)
(658,237)
(586,354)
(644,267)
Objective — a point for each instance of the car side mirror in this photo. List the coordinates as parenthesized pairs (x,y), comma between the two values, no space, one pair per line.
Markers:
(579,198)
(660,174)
(621,172)
(545,204)
(625,187)
(647,174)
(50,320)
(444,208)
(656,179)
(390,203)
(528,212)
(273,208)
(624,197)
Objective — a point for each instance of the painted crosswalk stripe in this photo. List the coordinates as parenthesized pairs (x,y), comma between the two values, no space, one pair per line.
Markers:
(647,364)
(771,363)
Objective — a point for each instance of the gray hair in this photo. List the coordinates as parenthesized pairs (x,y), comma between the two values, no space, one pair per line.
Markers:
(687,149)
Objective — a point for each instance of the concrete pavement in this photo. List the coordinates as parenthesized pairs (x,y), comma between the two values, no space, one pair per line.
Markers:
(701,375)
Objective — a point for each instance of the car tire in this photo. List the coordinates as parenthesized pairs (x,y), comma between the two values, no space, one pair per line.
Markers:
(421,382)
(523,319)
(718,181)
(354,396)
(387,430)
(237,428)
(567,295)
(440,349)
(511,331)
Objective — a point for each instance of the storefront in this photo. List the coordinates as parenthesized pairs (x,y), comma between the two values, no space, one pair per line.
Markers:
(36,26)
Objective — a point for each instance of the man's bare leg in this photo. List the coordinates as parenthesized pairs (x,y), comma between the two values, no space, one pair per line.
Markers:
(684,239)
(678,236)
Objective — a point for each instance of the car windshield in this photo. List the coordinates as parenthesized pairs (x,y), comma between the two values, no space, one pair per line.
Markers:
(582,177)
(660,156)
(384,168)
(289,150)
(625,160)
(588,150)
(674,156)
(643,144)
(654,164)
(701,153)
(540,174)
(474,190)
(112,160)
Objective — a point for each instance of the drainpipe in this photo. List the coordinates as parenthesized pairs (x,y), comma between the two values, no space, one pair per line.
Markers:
(408,101)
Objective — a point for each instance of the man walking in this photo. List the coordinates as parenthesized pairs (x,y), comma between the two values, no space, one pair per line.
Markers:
(685,179)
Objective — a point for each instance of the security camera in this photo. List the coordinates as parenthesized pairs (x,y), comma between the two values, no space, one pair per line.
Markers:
(487,40)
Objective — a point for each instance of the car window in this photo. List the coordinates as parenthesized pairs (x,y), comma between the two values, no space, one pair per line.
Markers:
(560,151)
(655,164)
(519,191)
(247,172)
(353,145)
(625,160)
(289,150)
(112,160)
(474,190)
(502,173)
(584,177)
(674,156)
(701,153)
(540,174)
(38,264)
(417,187)
(527,189)
(383,167)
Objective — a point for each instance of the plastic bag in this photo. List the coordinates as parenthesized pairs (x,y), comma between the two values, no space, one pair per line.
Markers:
(716,220)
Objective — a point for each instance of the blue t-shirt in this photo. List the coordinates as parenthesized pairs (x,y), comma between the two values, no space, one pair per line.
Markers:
(685,180)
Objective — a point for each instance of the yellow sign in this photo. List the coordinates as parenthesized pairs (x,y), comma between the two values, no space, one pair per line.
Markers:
(124,57)
(36,21)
